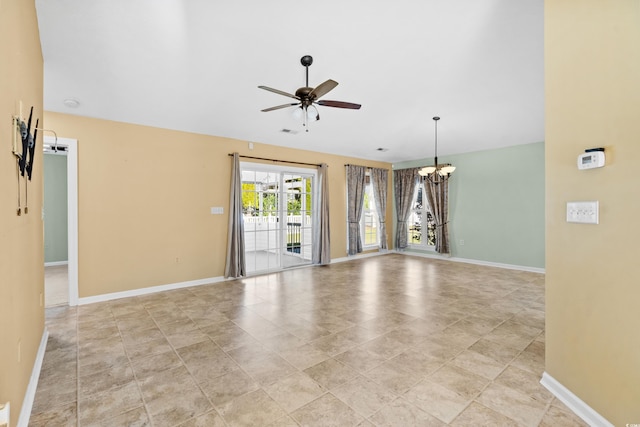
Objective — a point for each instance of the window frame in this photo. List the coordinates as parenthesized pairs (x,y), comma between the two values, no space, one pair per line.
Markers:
(373,210)
(424,210)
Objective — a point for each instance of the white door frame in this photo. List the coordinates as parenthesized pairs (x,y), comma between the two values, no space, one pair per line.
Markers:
(282,169)
(72,211)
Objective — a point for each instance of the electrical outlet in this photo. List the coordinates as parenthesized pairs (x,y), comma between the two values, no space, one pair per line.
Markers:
(461,242)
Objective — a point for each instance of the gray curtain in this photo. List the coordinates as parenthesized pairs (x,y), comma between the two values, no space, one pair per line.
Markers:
(235,265)
(437,190)
(379,178)
(321,253)
(355,200)
(404,184)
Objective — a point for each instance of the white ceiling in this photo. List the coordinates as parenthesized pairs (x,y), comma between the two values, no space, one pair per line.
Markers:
(194,65)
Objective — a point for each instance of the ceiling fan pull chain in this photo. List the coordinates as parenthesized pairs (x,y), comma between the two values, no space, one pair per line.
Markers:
(305,123)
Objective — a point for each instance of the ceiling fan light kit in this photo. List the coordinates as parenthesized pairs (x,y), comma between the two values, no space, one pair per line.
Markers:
(308,97)
(444,170)
(311,113)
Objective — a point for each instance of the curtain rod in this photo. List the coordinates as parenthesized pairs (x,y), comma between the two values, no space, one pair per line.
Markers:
(275,160)
(363,166)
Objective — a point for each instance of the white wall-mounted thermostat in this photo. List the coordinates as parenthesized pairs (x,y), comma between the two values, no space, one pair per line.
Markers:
(590,159)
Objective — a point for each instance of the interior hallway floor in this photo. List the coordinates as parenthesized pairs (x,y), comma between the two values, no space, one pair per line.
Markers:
(390,340)
(56,285)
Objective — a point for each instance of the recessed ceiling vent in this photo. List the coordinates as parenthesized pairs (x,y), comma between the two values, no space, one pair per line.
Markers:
(292,132)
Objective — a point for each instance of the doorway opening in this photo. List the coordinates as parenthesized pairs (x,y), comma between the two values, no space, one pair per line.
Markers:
(60,212)
(277,205)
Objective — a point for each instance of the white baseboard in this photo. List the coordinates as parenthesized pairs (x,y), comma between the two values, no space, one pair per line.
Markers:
(29,396)
(54,263)
(199,282)
(150,290)
(473,261)
(573,402)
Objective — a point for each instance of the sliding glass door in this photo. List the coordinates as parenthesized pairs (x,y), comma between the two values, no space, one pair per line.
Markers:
(277,207)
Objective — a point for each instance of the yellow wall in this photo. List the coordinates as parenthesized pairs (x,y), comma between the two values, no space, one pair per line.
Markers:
(145,196)
(592,61)
(21,246)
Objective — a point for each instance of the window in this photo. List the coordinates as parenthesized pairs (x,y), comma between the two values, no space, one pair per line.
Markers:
(420,225)
(369,219)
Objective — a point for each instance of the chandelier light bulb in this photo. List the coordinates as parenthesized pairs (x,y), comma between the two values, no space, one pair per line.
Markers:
(447,170)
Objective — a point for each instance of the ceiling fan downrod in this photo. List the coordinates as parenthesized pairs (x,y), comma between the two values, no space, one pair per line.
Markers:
(306,61)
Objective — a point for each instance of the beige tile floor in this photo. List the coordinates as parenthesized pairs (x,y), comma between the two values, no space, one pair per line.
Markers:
(56,285)
(393,340)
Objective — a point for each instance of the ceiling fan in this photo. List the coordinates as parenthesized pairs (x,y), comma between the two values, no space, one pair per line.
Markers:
(308,96)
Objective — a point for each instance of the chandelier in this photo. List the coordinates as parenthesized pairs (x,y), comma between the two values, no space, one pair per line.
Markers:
(443,170)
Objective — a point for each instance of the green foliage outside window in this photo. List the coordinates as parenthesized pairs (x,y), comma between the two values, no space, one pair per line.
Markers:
(251,203)
(418,225)
(294,204)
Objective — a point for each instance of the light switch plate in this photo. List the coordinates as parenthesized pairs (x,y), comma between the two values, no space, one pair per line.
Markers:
(583,212)
(217,211)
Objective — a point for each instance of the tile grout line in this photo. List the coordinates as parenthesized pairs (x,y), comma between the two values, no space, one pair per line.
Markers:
(215,408)
(135,376)
(175,351)
(501,372)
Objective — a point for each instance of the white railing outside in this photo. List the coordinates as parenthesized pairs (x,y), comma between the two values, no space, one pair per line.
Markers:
(261,233)
(272,219)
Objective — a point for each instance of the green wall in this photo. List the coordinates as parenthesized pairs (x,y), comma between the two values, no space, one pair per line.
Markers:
(496,202)
(55,208)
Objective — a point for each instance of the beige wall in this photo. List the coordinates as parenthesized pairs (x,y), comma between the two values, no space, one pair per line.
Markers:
(21,246)
(592,56)
(145,196)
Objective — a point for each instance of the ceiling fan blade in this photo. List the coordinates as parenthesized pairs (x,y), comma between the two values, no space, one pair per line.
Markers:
(279,107)
(323,88)
(279,92)
(339,104)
